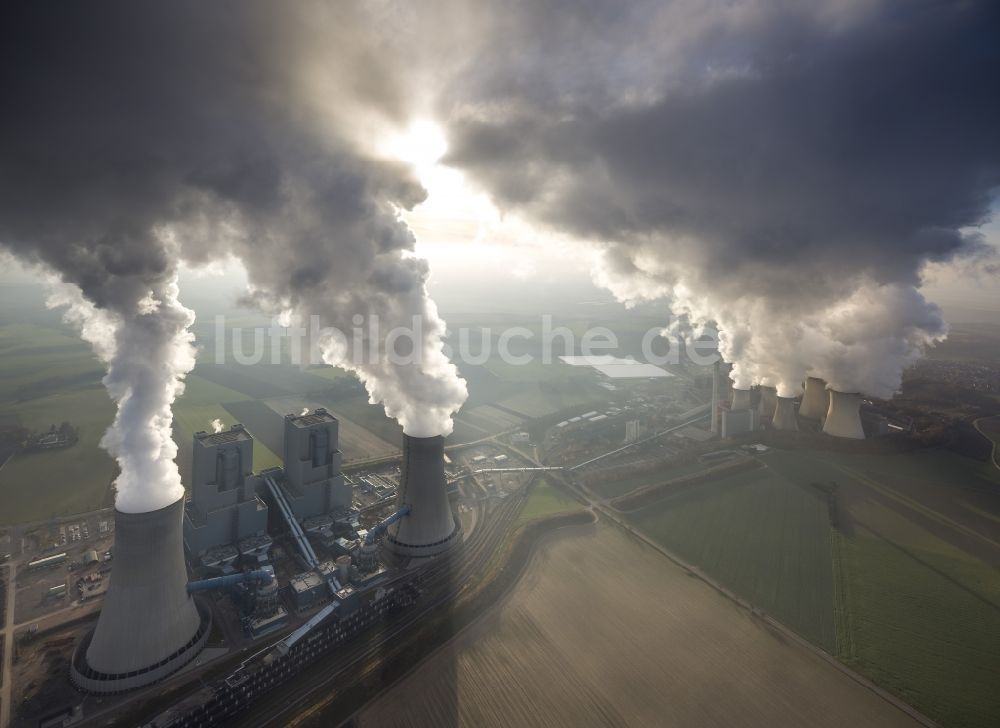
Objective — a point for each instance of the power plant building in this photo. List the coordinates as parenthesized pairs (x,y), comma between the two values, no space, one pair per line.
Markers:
(224,506)
(149,625)
(814,399)
(429,527)
(313,482)
(844,416)
(738,421)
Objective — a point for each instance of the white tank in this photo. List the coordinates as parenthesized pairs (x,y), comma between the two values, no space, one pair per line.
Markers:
(741,399)
(149,625)
(768,401)
(844,416)
(814,400)
(784,414)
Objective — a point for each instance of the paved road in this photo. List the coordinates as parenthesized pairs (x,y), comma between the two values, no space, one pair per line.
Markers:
(8,652)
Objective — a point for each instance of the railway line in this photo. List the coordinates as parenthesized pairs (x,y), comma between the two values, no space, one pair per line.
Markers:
(442,581)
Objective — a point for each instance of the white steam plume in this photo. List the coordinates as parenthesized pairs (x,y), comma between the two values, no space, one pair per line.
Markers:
(148,350)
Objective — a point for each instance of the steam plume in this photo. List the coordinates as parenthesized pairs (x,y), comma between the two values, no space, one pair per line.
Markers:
(785,170)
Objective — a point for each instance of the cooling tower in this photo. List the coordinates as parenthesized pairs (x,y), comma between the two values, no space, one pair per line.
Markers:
(784,414)
(844,416)
(149,625)
(430,527)
(741,399)
(814,400)
(768,401)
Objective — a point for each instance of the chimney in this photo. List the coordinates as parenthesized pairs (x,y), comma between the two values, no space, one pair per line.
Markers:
(430,527)
(149,626)
(784,414)
(844,416)
(814,399)
(715,397)
(768,401)
(741,399)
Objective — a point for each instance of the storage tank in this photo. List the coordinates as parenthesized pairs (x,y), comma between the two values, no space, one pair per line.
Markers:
(149,625)
(844,416)
(784,414)
(741,399)
(430,526)
(768,401)
(814,400)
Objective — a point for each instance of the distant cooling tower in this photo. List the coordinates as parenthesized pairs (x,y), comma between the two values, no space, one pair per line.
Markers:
(741,399)
(430,527)
(844,416)
(149,626)
(814,400)
(768,401)
(784,414)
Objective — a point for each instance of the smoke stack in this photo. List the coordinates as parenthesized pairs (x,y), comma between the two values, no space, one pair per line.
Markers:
(814,400)
(149,626)
(844,416)
(784,414)
(429,528)
(741,399)
(768,402)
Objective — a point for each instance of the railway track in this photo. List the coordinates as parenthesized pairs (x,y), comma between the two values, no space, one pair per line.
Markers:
(442,581)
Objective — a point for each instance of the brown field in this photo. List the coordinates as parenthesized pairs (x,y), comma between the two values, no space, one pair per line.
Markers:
(602,630)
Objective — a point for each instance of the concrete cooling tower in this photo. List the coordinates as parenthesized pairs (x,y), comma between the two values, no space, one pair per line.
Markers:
(784,414)
(768,401)
(149,626)
(844,416)
(741,399)
(814,400)
(429,528)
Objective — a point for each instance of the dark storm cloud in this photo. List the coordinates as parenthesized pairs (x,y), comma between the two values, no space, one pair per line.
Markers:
(136,135)
(791,158)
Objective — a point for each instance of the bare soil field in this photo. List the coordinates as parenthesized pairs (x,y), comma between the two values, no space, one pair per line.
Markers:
(602,630)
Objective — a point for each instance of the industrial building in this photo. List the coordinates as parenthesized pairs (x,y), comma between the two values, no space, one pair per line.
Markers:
(224,506)
(843,418)
(313,482)
(428,526)
(149,625)
(814,399)
(738,421)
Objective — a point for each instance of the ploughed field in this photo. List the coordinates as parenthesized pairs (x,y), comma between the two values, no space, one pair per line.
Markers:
(602,630)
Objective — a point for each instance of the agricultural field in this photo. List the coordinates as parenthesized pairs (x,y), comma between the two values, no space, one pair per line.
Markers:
(38,485)
(613,482)
(899,578)
(546,500)
(602,630)
(762,536)
(919,617)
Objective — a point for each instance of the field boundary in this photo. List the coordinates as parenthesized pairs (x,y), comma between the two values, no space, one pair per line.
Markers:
(993,443)
(771,622)
(649,494)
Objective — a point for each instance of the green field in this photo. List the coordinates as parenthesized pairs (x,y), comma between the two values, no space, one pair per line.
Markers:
(905,589)
(37,485)
(765,538)
(920,618)
(612,484)
(546,500)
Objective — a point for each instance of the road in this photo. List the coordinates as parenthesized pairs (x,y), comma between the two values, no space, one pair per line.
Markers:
(8,651)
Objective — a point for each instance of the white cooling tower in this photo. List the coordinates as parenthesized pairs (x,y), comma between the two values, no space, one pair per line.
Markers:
(741,399)
(149,625)
(430,527)
(768,401)
(844,416)
(814,400)
(784,414)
